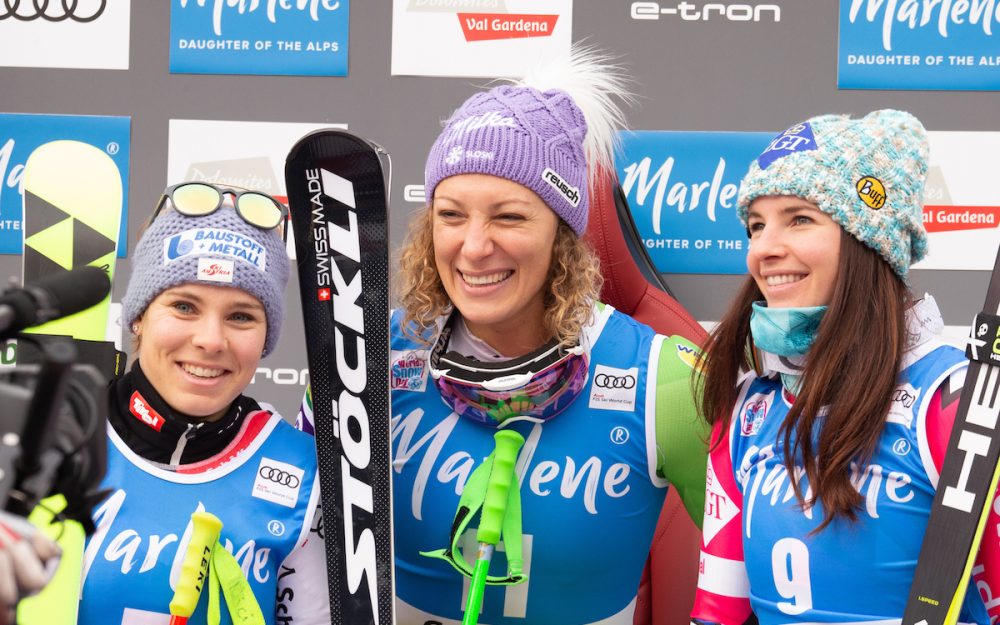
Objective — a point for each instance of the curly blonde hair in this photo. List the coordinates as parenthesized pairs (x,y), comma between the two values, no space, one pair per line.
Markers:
(574,283)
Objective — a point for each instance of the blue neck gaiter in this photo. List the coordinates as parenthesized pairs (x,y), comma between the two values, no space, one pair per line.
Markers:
(786,332)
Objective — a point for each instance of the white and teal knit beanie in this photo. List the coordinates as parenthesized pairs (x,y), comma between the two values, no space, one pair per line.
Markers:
(867,174)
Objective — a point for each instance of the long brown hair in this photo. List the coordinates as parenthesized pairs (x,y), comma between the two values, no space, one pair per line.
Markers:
(573,284)
(862,337)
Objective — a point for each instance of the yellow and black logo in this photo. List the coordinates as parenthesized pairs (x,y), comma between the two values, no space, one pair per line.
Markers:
(871,192)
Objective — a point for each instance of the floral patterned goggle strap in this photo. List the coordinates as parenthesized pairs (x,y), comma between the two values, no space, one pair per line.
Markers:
(538,386)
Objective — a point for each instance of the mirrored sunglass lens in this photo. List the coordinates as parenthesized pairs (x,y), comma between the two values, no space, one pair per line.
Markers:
(260,210)
(195,199)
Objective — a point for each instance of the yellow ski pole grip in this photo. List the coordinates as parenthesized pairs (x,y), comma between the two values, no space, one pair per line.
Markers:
(205,529)
(508,443)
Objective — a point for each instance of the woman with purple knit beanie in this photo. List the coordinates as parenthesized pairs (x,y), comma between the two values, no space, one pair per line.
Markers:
(500,328)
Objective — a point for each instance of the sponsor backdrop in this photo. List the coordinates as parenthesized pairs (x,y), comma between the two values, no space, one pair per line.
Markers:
(78,33)
(919,45)
(682,188)
(20,134)
(303,39)
(717,81)
(485,38)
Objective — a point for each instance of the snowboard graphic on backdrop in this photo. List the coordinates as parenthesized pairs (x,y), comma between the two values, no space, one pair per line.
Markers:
(72,213)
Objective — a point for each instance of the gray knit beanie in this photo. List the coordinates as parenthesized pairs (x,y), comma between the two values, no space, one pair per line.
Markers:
(220,249)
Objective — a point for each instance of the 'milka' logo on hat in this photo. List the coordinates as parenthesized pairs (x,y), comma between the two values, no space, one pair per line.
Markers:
(871,192)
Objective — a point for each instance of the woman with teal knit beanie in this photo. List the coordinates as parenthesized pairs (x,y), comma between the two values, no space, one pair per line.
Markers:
(830,395)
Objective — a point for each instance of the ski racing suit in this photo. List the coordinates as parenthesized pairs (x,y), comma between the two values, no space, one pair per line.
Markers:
(592,481)
(251,469)
(758,552)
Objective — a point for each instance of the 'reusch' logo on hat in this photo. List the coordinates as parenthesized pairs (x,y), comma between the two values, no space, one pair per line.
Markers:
(571,193)
(871,191)
(798,138)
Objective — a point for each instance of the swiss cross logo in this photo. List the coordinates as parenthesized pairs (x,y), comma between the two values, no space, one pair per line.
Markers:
(144,412)
(323,295)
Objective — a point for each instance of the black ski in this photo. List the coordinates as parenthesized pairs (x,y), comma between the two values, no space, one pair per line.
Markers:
(338,203)
(968,480)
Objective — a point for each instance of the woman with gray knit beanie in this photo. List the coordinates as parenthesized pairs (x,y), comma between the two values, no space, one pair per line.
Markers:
(205,304)
(831,396)
(501,328)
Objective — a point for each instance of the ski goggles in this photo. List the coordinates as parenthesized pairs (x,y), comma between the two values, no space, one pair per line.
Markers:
(198,199)
(538,386)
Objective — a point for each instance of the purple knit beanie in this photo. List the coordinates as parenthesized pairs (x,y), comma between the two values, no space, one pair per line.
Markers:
(219,249)
(541,133)
(531,137)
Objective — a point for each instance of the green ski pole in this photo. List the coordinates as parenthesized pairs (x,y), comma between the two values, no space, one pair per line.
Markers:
(508,443)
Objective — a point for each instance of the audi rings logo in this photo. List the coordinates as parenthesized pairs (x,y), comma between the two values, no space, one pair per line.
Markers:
(278,476)
(52,10)
(604,380)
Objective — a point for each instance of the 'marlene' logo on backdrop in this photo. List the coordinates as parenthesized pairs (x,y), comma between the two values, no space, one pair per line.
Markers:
(682,189)
(276,37)
(904,44)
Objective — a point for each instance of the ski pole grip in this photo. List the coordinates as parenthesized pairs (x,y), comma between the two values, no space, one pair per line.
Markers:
(205,529)
(508,443)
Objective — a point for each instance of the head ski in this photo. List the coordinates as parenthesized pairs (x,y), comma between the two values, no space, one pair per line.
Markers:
(968,480)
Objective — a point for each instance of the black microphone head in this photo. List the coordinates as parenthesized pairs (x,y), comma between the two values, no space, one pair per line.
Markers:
(66,293)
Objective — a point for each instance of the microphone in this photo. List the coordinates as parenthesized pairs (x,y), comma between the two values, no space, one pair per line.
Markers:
(51,298)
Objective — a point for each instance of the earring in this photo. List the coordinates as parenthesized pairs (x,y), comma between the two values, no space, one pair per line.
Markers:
(135,328)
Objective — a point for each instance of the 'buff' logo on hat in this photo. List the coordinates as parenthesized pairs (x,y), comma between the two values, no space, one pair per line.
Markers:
(215,242)
(871,191)
(798,138)
(572,194)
